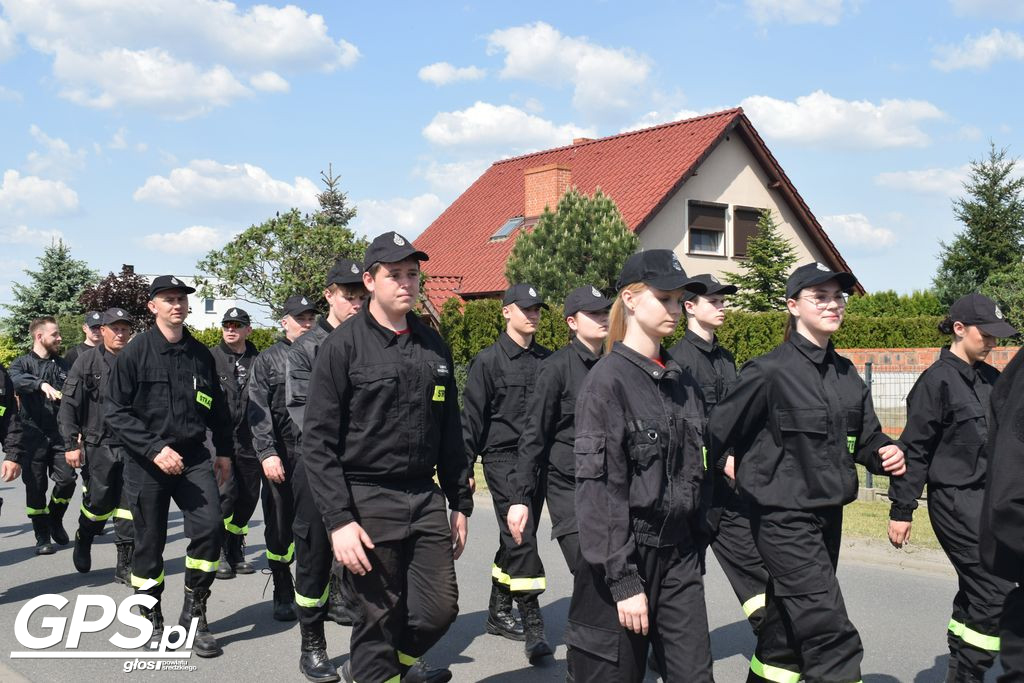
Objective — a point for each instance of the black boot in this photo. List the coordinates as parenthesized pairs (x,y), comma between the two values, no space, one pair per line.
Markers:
(421,673)
(234,548)
(313,661)
(284,592)
(156,617)
(194,607)
(225,570)
(123,569)
(501,619)
(533,625)
(337,605)
(41,527)
(82,555)
(57,510)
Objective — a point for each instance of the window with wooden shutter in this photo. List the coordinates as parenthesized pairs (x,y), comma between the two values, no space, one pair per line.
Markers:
(706,229)
(744,222)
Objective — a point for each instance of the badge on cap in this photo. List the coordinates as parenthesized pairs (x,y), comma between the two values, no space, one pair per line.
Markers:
(398,240)
(234,312)
(597,294)
(715,280)
(823,267)
(675,263)
(355,269)
(174,281)
(95,316)
(533,292)
(120,313)
(999,314)
(304,302)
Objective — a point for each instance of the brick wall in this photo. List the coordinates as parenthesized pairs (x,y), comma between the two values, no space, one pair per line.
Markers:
(914,360)
(545,185)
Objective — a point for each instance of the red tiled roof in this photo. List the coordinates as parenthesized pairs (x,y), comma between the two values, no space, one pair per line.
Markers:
(439,288)
(639,170)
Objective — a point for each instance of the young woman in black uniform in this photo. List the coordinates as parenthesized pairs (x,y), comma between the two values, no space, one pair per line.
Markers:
(947,421)
(797,420)
(639,480)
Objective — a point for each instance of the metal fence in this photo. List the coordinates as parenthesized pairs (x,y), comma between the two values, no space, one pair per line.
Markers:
(889,396)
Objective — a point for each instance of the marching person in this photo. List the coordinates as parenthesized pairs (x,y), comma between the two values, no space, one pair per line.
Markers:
(318,590)
(162,397)
(10,430)
(545,448)
(233,358)
(948,413)
(38,378)
(797,420)
(699,353)
(499,386)
(640,476)
(273,437)
(91,329)
(89,445)
(382,416)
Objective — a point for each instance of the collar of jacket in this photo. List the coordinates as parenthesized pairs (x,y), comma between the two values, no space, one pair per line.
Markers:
(250,349)
(513,350)
(646,364)
(322,322)
(162,345)
(814,353)
(698,341)
(388,336)
(585,354)
(962,366)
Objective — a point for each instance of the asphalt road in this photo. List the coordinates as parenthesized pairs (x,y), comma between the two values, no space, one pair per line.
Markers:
(901,612)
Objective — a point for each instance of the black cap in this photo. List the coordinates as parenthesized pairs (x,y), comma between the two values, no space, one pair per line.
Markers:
(117,315)
(345,272)
(659,268)
(93,318)
(296,304)
(236,315)
(977,309)
(522,295)
(814,274)
(165,282)
(712,286)
(391,248)
(586,298)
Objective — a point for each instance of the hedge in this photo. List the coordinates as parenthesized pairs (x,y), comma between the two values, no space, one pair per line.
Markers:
(261,337)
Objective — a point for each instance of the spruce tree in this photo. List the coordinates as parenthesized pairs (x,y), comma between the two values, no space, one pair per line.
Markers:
(770,257)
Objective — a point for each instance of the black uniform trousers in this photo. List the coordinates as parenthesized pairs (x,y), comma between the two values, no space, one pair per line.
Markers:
(313,554)
(806,633)
(561,498)
(600,649)
(239,495)
(194,491)
(974,627)
(1011,636)
(410,598)
(103,493)
(43,461)
(733,545)
(516,566)
(279,514)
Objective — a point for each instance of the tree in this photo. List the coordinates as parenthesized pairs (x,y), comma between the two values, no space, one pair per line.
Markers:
(992,213)
(125,290)
(51,290)
(770,257)
(890,304)
(287,254)
(583,242)
(1006,288)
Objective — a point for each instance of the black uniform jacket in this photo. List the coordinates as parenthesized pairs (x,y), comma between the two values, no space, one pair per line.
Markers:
(81,408)
(640,471)
(547,440)
(38,414)
(272,430)
(299,369)
(383,408)
(498,387)
(710,364)
(1002,518)
(10,422)
(162,394)
(75,351)
(798,419)
(945,431)
(237,396)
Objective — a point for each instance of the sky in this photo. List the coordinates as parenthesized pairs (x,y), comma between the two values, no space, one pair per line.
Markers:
(151,132)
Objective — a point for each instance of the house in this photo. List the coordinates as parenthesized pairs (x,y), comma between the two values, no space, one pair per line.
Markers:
(694,186)
(204,313)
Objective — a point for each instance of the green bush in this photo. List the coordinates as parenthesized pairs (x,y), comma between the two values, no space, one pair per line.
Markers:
(477,326)
(261,337)
(9,350)
(889,303)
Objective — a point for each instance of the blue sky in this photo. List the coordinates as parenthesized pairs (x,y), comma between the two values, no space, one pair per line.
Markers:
(148,133)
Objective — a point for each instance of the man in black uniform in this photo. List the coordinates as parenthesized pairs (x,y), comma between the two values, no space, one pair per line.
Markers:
(91,328)
(10,430)
(699,353)
(273,437)
(498,390)
(233,358)
(318,590)
(88,444)
(38,378)
(162,397)
(382,415)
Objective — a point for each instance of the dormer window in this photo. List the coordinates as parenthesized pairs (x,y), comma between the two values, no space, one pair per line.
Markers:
(507,228)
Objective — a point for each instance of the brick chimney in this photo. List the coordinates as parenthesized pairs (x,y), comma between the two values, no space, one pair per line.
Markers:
(545,185)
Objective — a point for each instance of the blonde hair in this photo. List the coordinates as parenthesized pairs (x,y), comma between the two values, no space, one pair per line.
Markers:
(617,316)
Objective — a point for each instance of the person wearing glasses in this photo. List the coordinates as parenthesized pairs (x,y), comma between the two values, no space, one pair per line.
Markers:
(948,415)
(797,421)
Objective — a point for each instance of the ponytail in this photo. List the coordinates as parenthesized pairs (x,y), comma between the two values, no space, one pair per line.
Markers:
(617,317)
(946,326)
(790,327)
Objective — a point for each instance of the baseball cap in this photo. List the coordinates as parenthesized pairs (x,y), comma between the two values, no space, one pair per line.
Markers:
(659,268)
(296,304)
(391,248)
(523,295)
(345,272)
(165,282)
(977,309)
(586,298)
(712,286)
(811,274)
(93,318)
(236,315)
(116,315)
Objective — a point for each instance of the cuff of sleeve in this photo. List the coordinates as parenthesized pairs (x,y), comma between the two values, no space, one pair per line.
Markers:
(464,506)
(155,451)
(266,453)
(901,513)
(336,518)
(626,587)
(720,463)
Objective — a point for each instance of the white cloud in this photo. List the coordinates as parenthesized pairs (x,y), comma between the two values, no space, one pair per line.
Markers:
(406,216)
(820,118)
(998,9)
(22,234)
(269,81)
(504,126)
(8,43)
(119,141)
(443,73)
(454,176)
(10,95)
(604,79)
(827,12)
(56,159)
(196,239)
(980,52)
(32,195)
(653,118)
(855,230)
(205,181)
(944,181)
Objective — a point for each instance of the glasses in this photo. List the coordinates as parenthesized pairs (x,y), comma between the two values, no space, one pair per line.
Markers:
(231,326)
(821,301)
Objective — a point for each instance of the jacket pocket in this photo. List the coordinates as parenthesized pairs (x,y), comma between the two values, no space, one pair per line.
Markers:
(510,392)
(590,456)
(804,433)
(969,424)
(374,396)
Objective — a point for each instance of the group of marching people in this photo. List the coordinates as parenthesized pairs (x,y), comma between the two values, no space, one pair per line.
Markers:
(351,427)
